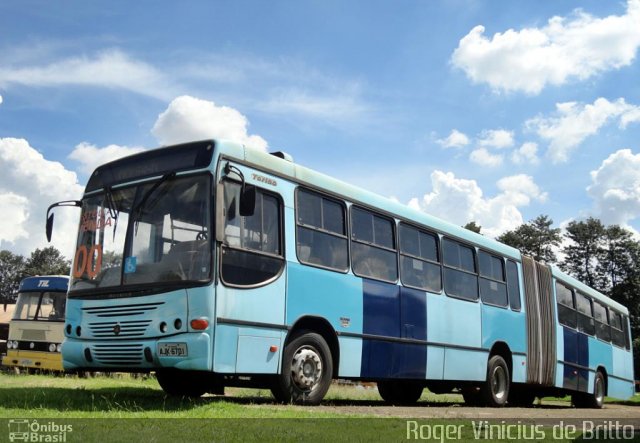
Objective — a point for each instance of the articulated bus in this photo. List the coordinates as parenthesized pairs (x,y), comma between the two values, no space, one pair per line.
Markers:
(215,265)
(36,330)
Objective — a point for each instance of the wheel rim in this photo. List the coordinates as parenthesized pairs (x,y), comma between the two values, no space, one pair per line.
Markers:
(499,383)
(599,390)
(306,368)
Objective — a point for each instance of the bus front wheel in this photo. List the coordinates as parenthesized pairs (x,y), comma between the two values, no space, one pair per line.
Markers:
(307,369)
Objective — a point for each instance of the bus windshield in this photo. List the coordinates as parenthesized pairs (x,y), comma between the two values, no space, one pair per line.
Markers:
(152,232)
(44,306)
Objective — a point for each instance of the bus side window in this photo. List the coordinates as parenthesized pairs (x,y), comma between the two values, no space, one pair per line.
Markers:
(252,250)
(493,288)
(373,248)
(603,331)
(419,259)
(513,285)
(321,238)
(586,323)
(625,323)
(617,334)
(460,276)
(566,306)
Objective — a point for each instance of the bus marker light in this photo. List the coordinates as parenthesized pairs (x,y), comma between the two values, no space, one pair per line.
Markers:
(199,323)
(273,348)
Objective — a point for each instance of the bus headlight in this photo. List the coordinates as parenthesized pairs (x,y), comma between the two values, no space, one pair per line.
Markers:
(58,348)
(52,347)
(12,344)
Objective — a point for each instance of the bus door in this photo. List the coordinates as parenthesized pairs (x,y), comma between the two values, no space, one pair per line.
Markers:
(252,282)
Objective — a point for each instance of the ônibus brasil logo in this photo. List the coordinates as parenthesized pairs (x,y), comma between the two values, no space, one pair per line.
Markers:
(35,431)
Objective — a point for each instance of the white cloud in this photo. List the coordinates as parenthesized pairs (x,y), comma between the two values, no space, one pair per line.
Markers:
(90,156)
(456,139)
(188,118)
(615,188)
(496,138)
(461,201)
(327,105)
(0,99)
(28,185)
(110,69)
(526,154)
(484,158)
(574,122)
(575,47)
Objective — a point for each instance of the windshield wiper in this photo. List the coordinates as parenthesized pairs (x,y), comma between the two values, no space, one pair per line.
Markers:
(114,212)
(137,210)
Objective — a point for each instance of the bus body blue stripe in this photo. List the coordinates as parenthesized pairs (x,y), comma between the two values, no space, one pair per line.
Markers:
(392,311)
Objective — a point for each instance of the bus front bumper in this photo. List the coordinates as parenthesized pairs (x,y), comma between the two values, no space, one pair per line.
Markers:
(190,351)
(51,361)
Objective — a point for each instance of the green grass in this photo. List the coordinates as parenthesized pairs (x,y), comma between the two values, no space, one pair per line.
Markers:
(116,404)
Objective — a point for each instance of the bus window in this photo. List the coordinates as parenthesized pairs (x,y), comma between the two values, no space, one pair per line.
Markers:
(617,334)
(493,288)
(419,262)
(27,306)
(585,315)
(321,232)
(373,252)
(513,285)
(460,277)
(627,341)
(252,250)
(603,331)
(566,306)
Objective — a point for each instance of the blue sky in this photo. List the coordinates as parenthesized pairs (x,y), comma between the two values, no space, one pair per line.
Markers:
(493,111)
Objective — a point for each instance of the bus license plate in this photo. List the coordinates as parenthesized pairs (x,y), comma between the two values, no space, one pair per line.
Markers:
(172,350)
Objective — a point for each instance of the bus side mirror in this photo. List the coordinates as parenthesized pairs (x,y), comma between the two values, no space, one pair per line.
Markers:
(49,227)
(248,201)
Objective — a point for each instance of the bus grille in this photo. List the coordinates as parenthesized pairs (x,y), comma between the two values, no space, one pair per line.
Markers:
(122,329)
(122,310)
(118,354)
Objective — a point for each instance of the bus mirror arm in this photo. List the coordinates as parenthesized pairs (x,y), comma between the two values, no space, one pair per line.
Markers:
(247,192)
(220,212)
(49,225)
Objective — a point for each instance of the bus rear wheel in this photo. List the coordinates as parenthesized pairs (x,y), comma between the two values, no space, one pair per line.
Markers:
(179,383)
(400,392)
(307,369)
(595,400)
(495,391)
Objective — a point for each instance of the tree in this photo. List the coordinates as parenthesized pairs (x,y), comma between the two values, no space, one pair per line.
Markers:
(535,238)
(47,261)
(616,260)
(473,226)
(11,272)
(583,254)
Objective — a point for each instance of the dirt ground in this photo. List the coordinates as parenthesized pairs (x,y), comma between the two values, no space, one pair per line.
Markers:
(548,410)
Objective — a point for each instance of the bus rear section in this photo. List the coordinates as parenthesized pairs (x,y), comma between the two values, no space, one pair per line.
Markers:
(36,329)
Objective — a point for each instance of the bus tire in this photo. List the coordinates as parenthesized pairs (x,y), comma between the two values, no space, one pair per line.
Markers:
(495,390)
(177,383)
(595,400)
(399,392)
(307,369)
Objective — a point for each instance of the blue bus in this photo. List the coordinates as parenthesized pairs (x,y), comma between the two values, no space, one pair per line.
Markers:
(214,265)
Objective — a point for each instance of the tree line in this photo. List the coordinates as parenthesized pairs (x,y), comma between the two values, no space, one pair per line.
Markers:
(15,267)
